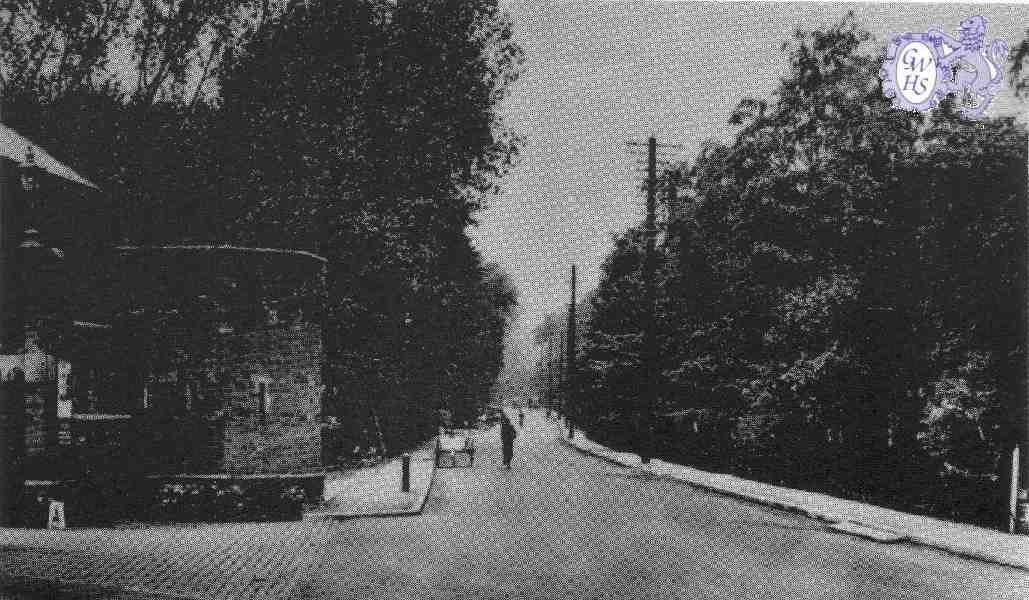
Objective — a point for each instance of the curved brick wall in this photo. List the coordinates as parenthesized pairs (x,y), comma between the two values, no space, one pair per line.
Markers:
(286,439)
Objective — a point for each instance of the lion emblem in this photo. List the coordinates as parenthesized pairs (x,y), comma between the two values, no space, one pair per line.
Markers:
(967,69)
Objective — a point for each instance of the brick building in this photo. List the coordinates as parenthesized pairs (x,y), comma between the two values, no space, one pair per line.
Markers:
(187,360)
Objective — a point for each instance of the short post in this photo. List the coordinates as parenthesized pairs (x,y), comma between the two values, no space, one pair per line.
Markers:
(1013,494)
(405,477)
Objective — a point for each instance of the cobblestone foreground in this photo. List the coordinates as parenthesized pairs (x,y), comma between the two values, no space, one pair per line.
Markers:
(558,525)
(216,561)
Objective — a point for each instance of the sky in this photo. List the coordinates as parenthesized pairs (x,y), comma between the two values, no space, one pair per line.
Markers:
(600,74)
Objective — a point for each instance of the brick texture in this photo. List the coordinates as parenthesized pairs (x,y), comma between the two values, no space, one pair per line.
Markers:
(228,430)
(286,438)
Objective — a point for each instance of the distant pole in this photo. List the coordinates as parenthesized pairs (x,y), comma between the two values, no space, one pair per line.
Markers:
(648,353)
(561,374)
(570,380)
(555,374)
(1020,472)
(550,374)
(1013,498)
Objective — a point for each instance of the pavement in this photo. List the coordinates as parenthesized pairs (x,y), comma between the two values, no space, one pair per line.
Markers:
(847,516)
(376,491)
(559,525)
(170,561)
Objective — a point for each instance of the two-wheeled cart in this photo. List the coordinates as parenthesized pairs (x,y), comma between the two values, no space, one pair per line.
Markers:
(451,444)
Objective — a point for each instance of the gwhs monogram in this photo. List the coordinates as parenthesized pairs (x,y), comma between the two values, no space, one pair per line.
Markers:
(921,69)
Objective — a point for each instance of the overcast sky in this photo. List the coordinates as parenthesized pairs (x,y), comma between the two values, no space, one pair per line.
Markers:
(597,75)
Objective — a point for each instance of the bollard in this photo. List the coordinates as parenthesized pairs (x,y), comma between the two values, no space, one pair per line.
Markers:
(405,477)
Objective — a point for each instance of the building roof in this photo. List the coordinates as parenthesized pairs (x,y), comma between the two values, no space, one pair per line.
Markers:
(15,146)
(111,287)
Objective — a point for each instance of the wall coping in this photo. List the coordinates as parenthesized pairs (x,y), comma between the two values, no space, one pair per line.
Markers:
(228,249)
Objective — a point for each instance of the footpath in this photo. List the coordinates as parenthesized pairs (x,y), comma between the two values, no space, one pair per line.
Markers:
(208,560)
(847,516)
(376,491)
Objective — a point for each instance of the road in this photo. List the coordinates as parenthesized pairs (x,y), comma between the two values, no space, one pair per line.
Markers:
(564,525)
(559,525)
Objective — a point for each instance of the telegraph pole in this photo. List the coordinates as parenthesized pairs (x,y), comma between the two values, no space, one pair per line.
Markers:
(559,371)
(1018,507)
(570,380)
(648,354)
(646,404)
(1024,485)
(551,400)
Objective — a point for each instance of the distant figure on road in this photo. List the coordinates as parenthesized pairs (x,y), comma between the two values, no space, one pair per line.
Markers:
(507,436)
(521,419)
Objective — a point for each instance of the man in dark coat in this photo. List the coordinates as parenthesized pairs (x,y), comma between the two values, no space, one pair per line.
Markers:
(507,436)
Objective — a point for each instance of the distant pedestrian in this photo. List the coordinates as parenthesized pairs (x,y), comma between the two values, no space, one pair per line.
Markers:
(507,436)
(521,419)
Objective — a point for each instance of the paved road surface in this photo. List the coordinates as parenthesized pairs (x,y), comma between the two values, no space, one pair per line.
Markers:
(565,525)
(559,525)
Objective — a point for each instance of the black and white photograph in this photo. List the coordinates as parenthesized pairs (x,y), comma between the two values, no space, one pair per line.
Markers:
(514,299)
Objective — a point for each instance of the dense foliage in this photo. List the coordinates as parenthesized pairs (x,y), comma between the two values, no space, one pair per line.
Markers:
(842,295)
(371,137)
(358,130)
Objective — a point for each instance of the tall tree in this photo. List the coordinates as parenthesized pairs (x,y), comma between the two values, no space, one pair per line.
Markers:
(367,133)
(835,279)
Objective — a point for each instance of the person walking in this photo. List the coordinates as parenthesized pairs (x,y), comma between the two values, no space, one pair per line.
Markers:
(521,419)
(507,436)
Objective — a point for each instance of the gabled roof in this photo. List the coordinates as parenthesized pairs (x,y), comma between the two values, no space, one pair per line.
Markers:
(15,146)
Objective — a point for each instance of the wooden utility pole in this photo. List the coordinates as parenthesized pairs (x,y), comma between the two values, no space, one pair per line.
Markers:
(1018,507)
(559,371)
(1024,486)
(551,359)
(570,380)
(646,404)
(648,354)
